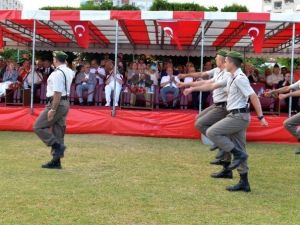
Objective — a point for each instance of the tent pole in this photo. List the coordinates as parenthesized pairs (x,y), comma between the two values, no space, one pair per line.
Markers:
(292,68)
(18,56)
(32,66)
(201,62)
(115,68)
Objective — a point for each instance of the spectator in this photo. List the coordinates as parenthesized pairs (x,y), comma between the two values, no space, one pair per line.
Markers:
(249,72)
(86,81)
(47,69)
(10,76)
(110,81)
(79,69)
(98,71)
(142,82)
(208,66)
(275,78)
(154,75)
(295,100)
(133,70)
(2,67)
(297,73)
(24,70)
(169,84)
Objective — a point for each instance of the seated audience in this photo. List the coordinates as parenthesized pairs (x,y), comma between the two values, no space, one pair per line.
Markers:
(154,74)
(295,100)
(110,80)
(24,70)
(2,67)
(132,71)
(47,69)
(98,71)
(10,76)
(249,72)
(34,80)
(86,81)
(275,77)
(169,84)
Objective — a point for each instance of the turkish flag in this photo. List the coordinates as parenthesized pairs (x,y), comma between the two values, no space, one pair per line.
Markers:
(1,39)
(171,30)
(256,32)
(82,32)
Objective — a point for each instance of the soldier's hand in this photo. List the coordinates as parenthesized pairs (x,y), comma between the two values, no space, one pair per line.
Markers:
(181,76)
(263,122)
(268,93)
(282,96)
(187,91)
(180,85)
(51,115)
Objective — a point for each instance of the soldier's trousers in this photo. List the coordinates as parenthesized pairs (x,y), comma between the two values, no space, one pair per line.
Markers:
(230,133)
(291,124)
(209,117)
(52,132)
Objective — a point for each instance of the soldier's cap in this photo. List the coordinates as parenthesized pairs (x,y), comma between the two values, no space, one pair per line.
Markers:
(61,56)
(235,55)
(222,52)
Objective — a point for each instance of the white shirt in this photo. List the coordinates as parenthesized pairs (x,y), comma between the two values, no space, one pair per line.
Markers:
(165,79)
(112,78)
(188,80)
(100,71)
(295,86)
(220,94)
(274,79)
(238,90)
(56,81)
(37,79)
(214,72)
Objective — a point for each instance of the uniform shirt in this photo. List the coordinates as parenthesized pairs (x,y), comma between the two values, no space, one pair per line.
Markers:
(214,72)
(295,86)
(238,91)
(167,79)
(56,81)
(220,94)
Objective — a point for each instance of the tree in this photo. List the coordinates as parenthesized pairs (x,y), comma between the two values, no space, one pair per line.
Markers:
(159,5)
(235,8)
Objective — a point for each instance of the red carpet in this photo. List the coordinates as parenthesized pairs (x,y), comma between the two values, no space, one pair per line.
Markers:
(164,123)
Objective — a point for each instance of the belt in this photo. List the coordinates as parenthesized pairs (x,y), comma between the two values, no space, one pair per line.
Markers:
(222,104)
(49,99)
(242,110)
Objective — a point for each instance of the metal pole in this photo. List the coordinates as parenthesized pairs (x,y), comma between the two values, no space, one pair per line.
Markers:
(115,68)
(292,68)
(32,66)
(18,56)
(201,62)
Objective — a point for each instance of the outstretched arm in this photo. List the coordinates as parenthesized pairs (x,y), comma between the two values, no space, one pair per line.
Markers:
(207,87)
(257,106)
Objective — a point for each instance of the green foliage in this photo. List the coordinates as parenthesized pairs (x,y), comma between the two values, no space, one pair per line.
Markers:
(160,5)
(235,8)
(12,54)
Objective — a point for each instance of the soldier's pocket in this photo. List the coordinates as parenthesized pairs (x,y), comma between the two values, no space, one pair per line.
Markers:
(242,116)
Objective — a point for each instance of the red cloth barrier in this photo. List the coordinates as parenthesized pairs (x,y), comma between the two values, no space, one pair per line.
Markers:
(175,124)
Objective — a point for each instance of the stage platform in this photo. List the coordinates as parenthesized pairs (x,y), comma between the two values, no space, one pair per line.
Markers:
(157,123)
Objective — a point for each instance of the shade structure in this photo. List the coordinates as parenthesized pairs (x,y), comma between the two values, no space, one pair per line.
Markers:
(140,32)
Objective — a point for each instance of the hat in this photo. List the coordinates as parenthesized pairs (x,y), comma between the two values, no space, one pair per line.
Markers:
(153,67)
(222,52)
(235,55)
(61,56)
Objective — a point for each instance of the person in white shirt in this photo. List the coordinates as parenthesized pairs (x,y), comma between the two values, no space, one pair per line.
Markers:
(275,78)
(154,75)
(50,126)
(169,84)
(98,71)
(111,78)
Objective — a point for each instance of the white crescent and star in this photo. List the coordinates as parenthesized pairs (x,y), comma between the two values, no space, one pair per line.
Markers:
(169,31)
(255,29)
(80,34)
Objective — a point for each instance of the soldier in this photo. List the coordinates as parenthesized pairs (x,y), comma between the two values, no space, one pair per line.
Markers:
(230,132)
(55,113)
(215,112)
(291,124)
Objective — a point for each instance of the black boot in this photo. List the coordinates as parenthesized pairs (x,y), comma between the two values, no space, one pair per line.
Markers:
(58,150)
(238,158)
(213,148)
(297,151)
(53,164)
(224,173)
(243,184)
(218,162)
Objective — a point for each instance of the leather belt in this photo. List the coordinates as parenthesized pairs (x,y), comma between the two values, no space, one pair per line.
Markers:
(222,104)
(242,110)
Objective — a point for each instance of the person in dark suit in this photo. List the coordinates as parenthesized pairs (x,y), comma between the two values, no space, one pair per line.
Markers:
(47,69)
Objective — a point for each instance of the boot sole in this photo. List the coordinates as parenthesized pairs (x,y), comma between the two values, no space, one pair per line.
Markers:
(221,177)
(241,190)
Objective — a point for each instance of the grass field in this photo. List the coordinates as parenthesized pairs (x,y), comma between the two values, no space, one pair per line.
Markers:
(132,180)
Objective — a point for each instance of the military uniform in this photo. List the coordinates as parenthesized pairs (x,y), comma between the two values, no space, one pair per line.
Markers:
(230,132)
(59,81)
(291,124)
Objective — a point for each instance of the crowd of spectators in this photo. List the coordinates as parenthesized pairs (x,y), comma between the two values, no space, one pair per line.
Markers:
(137,78)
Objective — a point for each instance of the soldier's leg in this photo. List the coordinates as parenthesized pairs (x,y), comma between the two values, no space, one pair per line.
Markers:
(59,127)
(292,124)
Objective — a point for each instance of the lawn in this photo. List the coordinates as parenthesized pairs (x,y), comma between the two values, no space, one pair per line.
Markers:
(113,180)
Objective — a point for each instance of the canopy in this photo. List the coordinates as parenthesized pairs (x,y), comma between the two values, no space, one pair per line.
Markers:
(140,32)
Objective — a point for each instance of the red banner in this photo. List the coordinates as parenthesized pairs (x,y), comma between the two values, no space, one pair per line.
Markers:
(82,32)
(256,32)
(1,39)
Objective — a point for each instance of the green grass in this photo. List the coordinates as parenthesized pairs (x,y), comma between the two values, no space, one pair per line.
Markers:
(132,180)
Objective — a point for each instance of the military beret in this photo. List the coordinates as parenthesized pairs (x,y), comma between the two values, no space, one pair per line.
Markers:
(235,55)
(222,52)
(61,56)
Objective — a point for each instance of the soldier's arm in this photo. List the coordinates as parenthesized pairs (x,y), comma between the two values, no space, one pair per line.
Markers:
(209,86)
(194,75)
(280,90)
(56,100)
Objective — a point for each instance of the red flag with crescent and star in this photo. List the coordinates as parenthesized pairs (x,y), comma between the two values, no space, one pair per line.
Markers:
(256,32)
(81,32)
(171,30)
